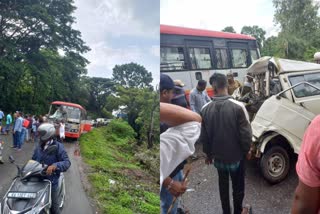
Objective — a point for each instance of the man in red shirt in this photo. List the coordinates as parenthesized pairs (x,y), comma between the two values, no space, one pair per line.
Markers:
(307,194)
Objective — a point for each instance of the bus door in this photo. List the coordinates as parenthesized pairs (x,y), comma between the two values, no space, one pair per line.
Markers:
(239,59)
(200,55)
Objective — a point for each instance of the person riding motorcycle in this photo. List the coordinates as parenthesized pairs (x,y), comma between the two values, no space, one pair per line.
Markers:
(57,162)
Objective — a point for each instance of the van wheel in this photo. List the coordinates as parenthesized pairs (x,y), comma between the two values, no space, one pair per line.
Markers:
(275,164)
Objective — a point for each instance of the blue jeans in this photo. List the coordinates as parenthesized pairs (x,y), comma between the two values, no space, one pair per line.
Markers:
(23,136)
(166,197)
(55,206)
(7,129)
(16,141)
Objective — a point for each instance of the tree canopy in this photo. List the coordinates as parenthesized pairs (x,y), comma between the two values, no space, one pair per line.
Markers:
(229,29)
(256,32)
(132,75)
(300,28)
(32,72)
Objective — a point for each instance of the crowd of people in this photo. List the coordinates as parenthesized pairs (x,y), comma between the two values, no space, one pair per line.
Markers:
(221,124)
(24,129)
(36,129)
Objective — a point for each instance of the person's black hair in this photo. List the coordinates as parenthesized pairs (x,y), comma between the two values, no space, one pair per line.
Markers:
(202,83)
(219,81)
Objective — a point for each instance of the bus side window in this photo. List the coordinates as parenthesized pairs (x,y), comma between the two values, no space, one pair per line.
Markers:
(239,58)
(222,58)
(200,58)
(198,76)
(172,58)
(254,55)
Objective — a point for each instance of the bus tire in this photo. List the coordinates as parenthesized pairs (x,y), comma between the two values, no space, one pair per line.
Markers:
(275,164)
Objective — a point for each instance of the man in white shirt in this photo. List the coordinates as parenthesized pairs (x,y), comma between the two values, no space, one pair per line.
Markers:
(176,144)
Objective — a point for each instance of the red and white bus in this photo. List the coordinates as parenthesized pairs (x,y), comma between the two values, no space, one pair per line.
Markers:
(192,54)
(74,116)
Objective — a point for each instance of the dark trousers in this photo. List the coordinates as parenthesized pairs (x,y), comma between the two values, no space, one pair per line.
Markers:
(237,178)
(16,141)
(55,205)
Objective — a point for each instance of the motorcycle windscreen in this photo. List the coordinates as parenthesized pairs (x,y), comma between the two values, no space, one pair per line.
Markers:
(19,191)
(31,166)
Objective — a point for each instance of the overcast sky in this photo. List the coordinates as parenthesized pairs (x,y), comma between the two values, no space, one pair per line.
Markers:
(120,31)
(217,14)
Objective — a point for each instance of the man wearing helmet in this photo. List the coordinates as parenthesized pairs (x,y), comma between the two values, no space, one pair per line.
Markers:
(57,162)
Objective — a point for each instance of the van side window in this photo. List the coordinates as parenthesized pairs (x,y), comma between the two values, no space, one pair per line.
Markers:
(200,58)
(305,90)
(172,58)
(222,58)
(239,58)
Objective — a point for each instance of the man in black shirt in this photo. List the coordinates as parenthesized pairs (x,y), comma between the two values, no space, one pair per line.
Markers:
(226,136)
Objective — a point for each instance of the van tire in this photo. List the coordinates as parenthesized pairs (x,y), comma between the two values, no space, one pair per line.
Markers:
(275,164)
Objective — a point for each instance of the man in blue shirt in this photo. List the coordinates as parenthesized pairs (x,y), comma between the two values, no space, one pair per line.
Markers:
(8,123)
(1,116)
(17,131)
(199,96)
(57,162)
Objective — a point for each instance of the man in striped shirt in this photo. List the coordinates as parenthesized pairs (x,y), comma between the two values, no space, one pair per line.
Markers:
(226,137)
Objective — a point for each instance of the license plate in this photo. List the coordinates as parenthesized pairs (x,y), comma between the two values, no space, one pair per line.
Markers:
(26,195)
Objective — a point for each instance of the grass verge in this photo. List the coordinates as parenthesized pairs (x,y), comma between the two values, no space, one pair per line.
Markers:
(121,182)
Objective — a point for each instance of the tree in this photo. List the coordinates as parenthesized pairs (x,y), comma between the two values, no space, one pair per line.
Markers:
(270,47)
(32,73)
(132,75)
(141,105)
(299,24)
(297,17)
(229,29)
(256,32)
(99,89)
(27,26)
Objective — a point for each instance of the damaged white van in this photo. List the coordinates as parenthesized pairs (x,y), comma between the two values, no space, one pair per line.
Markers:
(284,98)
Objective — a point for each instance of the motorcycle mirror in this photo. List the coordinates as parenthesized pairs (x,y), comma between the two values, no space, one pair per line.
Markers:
(11,159)
(52,149)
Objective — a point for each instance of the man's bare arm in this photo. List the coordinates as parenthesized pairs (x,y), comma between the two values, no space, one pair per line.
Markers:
(306,199)
(174,115)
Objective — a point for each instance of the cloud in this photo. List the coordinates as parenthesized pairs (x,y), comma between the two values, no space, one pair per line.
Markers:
(103,58)
(216,14)
(118,32)
(105,18)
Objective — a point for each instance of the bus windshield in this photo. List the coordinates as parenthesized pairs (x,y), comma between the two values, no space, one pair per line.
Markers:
(67,113)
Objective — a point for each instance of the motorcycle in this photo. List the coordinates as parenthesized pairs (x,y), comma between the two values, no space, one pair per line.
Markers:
(30,191)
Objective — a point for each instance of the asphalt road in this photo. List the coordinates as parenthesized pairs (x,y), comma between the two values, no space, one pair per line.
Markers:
(76,200)
(263,197)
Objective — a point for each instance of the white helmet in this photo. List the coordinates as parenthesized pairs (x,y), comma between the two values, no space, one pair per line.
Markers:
(46,132)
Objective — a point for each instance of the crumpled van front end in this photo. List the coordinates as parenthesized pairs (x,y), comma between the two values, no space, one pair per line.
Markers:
(280,122)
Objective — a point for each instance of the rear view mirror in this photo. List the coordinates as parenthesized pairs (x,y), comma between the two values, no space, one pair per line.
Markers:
(52,149)
(11,159)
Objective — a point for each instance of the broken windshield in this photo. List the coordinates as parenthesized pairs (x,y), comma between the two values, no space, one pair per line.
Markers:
(67,113)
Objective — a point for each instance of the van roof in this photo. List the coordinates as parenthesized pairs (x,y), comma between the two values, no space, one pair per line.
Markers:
(282,65)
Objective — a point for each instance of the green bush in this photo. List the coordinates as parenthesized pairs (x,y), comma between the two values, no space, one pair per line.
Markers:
(121,129)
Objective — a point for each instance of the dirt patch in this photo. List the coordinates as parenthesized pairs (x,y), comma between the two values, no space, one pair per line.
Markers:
(137,174)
